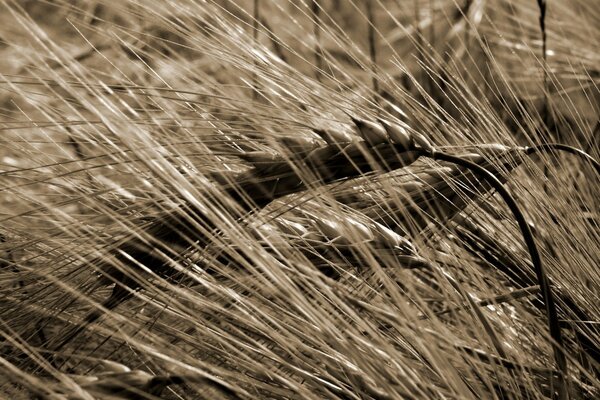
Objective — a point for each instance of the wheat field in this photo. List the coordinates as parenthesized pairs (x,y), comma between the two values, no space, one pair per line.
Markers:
(312,199)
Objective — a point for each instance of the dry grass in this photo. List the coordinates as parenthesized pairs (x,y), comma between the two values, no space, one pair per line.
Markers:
(261,199)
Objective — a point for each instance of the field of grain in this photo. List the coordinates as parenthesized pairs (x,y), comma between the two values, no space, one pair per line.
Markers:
(280,199)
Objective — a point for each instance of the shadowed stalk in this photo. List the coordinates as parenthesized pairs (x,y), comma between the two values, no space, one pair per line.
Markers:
(372,49)
(316,10)
(546,133)
(421,45)
(545,87)
(432,24)
(277,48)
(543,282)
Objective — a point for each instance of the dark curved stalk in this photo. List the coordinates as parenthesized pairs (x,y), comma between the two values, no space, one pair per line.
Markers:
(543,281)
(568,149)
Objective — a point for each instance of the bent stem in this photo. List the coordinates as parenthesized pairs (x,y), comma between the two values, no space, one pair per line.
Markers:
(567,149)
(543,281)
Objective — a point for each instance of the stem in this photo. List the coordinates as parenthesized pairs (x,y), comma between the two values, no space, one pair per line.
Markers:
(543,281)
(542,19)
(542,6)
(432,24)
(419,42)
(568,149)
(317,32)
(545,110)
(372,48)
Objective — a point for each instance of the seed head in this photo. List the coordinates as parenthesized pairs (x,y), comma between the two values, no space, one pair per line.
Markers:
(398,134)
(334,136)
(371,132)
